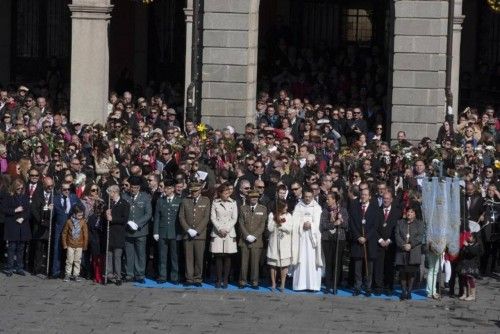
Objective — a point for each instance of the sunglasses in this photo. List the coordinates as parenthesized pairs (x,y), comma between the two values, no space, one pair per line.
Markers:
(246,188)
(46,126)
(34,175)
(93,190)
(65,189)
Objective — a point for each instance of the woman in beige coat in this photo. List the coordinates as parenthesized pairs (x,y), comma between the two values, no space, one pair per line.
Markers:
(224,216)
(279,250)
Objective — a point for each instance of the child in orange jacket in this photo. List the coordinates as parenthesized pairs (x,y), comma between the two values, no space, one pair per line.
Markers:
(75,238)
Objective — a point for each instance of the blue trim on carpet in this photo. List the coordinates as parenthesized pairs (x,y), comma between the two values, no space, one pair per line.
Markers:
(416,295)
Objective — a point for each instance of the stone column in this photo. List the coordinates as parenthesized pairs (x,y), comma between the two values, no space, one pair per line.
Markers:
(5,41)
(419,69)
(188,11)
(230,42)
(89,60)
(455,67)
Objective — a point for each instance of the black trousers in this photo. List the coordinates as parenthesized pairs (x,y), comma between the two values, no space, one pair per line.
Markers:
(383,268)
(328,247)
(40,256)
(453,278)
(490,257)
(359,265)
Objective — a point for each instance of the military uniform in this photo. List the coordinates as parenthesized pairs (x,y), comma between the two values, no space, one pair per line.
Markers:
(166,225)
(194,215)
(251,221)
(135,241)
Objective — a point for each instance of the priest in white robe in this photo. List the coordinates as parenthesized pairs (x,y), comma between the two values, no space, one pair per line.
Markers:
(307,263)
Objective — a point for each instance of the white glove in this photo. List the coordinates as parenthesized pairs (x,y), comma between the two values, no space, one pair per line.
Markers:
(132,225)
(251,238)
(156,237)
(20,220)
(192,233)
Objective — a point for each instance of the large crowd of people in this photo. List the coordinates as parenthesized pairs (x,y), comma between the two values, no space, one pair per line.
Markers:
(309,196)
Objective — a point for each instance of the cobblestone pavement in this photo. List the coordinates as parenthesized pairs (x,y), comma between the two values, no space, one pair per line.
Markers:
(31,305)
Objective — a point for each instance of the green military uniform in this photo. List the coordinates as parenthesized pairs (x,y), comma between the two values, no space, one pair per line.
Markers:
(135,241)
(166,225)
(252,221)
(194,214)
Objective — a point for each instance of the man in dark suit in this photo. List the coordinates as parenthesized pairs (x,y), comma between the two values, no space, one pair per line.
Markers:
(41,207)
(165,228)
(63,203)
(252,222)
(383,266)
(365,217)
(137,230)
(193,217)
(34,186)
(170,167)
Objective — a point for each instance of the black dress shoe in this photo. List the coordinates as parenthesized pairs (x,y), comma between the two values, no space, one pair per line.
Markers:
(368,293)
(198,284)
(217,285)
(224,285)
(408,295)
(403,295)
(176,282)
(356,292)
(255,287)
(187,284)
(7,273)
(388,292)
(140,280)
(118,282)
(241,286)
(161,281)
(377,292)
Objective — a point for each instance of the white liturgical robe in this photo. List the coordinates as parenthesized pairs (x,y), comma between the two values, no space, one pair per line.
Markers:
(306,247)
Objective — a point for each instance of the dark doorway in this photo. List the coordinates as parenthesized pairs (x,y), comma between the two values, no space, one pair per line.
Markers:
(333,52)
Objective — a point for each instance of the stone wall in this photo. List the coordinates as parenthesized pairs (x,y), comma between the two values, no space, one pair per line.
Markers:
(229,72)
(419,69)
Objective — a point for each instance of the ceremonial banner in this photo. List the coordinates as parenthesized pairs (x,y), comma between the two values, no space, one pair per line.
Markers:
(441,213)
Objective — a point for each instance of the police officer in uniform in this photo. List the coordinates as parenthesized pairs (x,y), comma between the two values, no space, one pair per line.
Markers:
(166,225)
(137,230)
(252,222)
(194,216)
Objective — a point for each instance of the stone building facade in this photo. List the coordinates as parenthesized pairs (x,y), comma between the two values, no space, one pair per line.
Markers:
(417,76)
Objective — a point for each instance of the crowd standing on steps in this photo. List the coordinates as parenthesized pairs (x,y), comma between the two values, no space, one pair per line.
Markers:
(309,196)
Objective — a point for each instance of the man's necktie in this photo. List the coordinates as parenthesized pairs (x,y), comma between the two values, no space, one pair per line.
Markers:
(65,203)
(363,210)
(386,213)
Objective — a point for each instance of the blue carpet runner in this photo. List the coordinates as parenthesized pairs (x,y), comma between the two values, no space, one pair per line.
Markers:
(416,295)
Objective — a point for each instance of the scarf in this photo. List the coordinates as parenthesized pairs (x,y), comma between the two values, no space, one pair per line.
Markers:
(77,228)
